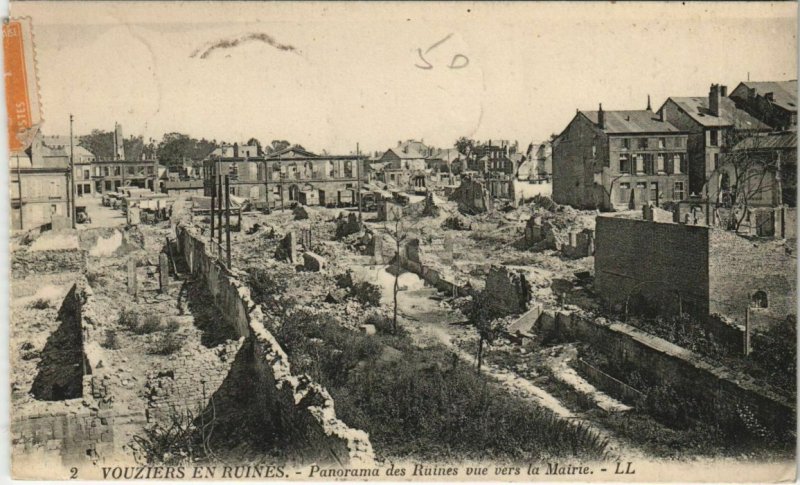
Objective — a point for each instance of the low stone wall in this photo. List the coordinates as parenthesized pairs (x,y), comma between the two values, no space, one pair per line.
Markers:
(669,363)
(607,383)
(26,262)
(290,403)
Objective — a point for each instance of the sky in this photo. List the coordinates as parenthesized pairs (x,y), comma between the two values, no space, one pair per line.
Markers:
(329,76)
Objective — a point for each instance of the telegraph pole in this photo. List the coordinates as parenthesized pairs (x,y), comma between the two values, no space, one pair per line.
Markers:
(358,179)
(73,210)
(266,183)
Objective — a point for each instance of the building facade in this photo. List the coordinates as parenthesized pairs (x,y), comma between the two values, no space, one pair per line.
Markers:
(619,159)
(281,181)
(39,186)
(713,123)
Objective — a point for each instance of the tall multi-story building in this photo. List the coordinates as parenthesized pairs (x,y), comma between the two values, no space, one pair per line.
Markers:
(110,174)
(39,185)
(713,123)
(619,159)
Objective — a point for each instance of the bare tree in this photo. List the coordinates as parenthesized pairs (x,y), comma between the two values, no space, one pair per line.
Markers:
(747,172)
(398,234)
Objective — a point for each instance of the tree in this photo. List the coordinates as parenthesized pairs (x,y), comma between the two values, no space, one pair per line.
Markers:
(466,146)
(277,145)
(747,172)
(398,234)
(254,141)
(174,149)
(134,147)
(100,143)
(484,318)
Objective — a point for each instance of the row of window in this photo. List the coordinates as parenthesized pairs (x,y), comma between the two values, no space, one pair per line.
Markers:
(116,170)
(624,192)
(645,143)
(651,164)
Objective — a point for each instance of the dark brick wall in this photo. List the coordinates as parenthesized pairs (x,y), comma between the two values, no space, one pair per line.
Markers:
(738,267)
(659,261)
(573,172)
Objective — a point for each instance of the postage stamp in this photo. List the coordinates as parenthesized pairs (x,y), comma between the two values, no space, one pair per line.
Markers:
(388,241)
(22,91)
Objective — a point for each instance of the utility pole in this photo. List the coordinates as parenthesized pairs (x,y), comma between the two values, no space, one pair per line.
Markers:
(228,220)
(266,183)
(212,182)
(219,214)
(358,179)
(19,194)
(73,211)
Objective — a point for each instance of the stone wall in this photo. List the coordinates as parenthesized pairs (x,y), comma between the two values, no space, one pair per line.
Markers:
(472,197)
(25,262)
(738,268)
(669,364)
(291,404)
(508,292)
(666,264)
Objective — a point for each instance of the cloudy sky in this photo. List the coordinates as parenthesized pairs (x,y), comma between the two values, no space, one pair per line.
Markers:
(332,75)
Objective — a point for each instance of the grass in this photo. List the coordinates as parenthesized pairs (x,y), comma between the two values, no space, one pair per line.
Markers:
(112,340)
(424,403)
(168,340)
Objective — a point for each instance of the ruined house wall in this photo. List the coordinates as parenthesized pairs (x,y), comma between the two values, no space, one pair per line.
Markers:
(665,263)
(285,399)
(669,363)
(507,290)
(78,430)
(739,267)
(26,262)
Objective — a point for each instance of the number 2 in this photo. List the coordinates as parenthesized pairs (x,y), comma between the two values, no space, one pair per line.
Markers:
(73,473)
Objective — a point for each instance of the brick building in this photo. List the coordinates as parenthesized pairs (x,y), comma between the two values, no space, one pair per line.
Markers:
(616,159)
(712,122)
(772,102)
(696,269)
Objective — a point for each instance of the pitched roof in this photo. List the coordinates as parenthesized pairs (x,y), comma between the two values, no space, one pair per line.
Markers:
(409,153)
(697,108)
(446,154)
(635,121)
(784,92)
(293,149)
(769,141)
(417,146)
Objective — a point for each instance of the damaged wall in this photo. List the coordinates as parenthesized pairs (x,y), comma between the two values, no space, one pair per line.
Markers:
(508,291)
(472,197)
(27,262)
(294,401)
(669,363)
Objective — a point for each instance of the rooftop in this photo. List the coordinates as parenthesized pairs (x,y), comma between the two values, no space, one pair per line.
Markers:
(635,121)
(729,115)
(784,92)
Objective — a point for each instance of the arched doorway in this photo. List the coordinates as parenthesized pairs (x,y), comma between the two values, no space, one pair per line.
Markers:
(294,192)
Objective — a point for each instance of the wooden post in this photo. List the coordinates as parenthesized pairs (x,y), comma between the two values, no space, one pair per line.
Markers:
(358,179)
(132,289)
(219,215)
(163,272)
(213,184)
(747,331)
(228,220)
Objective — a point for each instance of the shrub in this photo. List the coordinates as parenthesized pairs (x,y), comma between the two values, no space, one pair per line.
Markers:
(168,341)
(344,280)
(128,319)
(151,323)
(265,288)
(366,293)
(382,323)
(111,341)
(40,304)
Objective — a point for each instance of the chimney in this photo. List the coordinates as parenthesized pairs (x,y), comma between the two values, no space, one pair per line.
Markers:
(601,118)
(661,115)
(769,97)
(723,91)
(235,150)
(648,103)
(713,99)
